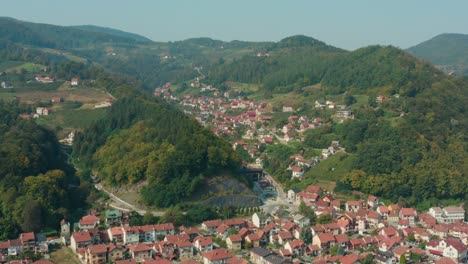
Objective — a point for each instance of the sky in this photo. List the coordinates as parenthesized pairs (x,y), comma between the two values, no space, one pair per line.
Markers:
(347,24)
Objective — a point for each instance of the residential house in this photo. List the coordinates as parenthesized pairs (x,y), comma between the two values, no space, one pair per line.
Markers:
(293,195)
(301,220)
(324,241)
(116,235)
(113,217)
(140,252)
(297,172)
(217,256)
(408,214)
(65,232)
(258,254)
(451,248)
(42,111)
(115,252)
(28,241)
(131,234)
(449,214)
(184,249)
(284,237)
(372,201)
(296,247)
(203,244)
(260,219)
(96,254)
(164,229)
(234,242)
(74,81)
(255,239)
(354,206)
(80,239)
(287,108)
(88,222)
(211,225)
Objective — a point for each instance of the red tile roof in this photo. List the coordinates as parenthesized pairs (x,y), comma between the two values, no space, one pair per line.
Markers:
(217,254)
(82,236)
(27,237)
(97,249)
(235,238)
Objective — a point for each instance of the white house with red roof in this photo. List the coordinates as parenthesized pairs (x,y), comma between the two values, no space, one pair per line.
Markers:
(452,248)
(217,256)
(74,81)
(80,239)
(408,214)
(203,244)
(88,222)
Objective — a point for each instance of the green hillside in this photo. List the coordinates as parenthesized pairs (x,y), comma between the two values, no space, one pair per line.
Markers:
(51,36)
(115,32)
(447,51)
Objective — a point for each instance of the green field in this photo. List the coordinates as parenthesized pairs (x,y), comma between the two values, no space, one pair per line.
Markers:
(63,121)
(328,171)
(64,255)
(5,65)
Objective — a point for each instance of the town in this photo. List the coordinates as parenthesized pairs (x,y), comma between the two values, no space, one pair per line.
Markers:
(363,231)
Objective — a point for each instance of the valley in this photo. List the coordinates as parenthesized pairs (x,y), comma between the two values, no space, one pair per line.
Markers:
(189,149)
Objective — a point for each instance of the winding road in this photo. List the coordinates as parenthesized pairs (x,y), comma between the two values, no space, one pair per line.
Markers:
(121,205)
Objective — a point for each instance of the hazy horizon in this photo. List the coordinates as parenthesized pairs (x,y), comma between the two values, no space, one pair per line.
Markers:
(347,25)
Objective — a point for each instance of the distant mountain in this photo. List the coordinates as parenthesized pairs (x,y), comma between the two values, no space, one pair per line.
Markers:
(302,41)
(448,52)
(114,32)
(51,36)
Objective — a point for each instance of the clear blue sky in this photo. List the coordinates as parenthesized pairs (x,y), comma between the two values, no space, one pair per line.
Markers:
(346,24)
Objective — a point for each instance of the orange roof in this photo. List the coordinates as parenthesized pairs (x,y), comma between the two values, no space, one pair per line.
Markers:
(204,241)
(235,238)
(163,227)
(97,249)
(158,261)
(116,231)
(139,248)
(82,236)
(27,237)
(217,254)
(326,237)
(313,189)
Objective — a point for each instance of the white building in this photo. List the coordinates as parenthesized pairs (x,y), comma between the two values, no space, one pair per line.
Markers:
(449,214)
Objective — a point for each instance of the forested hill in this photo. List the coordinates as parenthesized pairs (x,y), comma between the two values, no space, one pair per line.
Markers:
(144,139)
(34,179)
(447,51)
(113,31)
(291,69)
(51,36)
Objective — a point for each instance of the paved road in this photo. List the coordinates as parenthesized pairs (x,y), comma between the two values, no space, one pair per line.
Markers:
(124,206)
(280,139)
(281,201)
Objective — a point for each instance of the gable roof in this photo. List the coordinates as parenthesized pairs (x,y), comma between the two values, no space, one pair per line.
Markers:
(217,254)
(262,252)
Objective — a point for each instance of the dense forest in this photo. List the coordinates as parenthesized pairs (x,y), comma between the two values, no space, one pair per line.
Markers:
(38,188)
(147,139)
(447,51)
(411,148)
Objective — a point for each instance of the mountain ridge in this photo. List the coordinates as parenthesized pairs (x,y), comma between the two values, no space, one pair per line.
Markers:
(448,51)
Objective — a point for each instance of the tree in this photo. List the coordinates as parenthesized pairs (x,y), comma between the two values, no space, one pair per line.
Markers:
(306,235)
(150,219)
(308,212)
(402,259)
(135,219)
(324,219)
(31,218)
(349,99)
